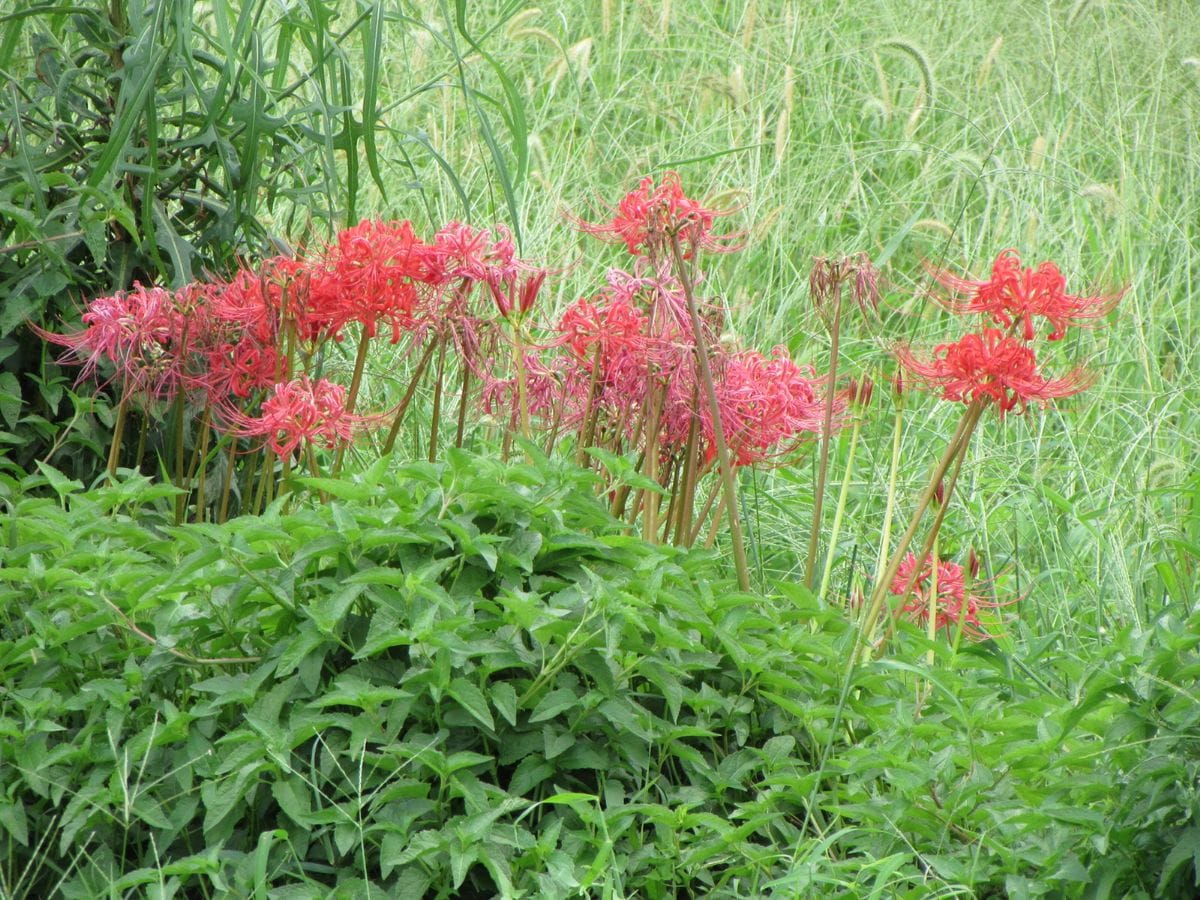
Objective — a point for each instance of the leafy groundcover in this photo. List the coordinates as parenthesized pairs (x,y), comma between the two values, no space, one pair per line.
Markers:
(465,680)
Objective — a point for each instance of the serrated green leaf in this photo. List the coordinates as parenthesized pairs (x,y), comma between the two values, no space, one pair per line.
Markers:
(471,699)
(552,704)
(504,698)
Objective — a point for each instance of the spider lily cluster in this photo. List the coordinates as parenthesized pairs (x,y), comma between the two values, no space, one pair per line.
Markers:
(637,379)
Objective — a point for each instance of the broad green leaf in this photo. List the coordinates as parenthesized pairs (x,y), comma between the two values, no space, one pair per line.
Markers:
(471,699)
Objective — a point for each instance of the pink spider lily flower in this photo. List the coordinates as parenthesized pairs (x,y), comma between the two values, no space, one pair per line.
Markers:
(767,405)
(954,605)
(300,412)
(1015,296)
(992,367)
(647,217)
(143,333)
(554,390)
(465,252)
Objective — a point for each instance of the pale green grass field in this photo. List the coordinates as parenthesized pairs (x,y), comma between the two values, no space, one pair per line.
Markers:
(913,131)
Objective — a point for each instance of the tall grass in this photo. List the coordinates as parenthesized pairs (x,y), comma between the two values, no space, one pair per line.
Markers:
(946,135)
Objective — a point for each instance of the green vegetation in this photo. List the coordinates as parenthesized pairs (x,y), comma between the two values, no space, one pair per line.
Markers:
(470,677)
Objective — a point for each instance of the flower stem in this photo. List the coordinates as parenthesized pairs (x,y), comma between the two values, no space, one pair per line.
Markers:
(962,435)
(843,494)
(114,449)
(463,395)
(436,413)
(522,388)
(931,625)
(202,452)
(402,407)
(360,362)
(227,482)
(826,429)
(181,498)
(731,500)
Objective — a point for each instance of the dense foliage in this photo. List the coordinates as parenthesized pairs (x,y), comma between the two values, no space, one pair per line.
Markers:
(464,680)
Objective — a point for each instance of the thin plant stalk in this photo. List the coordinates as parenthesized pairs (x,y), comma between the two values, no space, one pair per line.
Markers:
(650,503)
(436,413)
(588,432)
(838,514)
(249,474)
(264,481)
(360,362)
(402,407)
(893,473)
(202,452)
(463,396)
(694,534)
(931,541)
(962,433)
(735,524)
(522,388)
(687,491)
(715,526)
(890,508)
(140,453)
(180,498)
(931,625)
(826,430)
(114,449)
(227,482)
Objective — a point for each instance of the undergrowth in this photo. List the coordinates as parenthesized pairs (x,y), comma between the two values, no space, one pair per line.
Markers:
(463,680)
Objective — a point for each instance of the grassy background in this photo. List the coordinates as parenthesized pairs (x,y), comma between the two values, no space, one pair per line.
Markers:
(946,133)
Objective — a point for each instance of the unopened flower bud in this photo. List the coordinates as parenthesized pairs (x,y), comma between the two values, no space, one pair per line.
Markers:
(530,288)
(939,493)
(973,563)
(860,391)
(898,385)
(503,303)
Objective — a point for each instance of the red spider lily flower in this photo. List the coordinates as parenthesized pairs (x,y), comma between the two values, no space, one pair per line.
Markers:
(1015,295)
(954,604)
(371,276)
(259,301)
(239,367)
(647,218)
(144,333)
(993,367)
(298,412)
(767,404)
(465,252)
(618,327)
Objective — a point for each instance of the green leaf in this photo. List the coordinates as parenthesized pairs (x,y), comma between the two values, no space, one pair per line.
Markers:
(471,699)
(61,484)
(504,698)
(555,741)
(553,704)
(328,613)
(12,817)
(10,398)
(1187,848)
